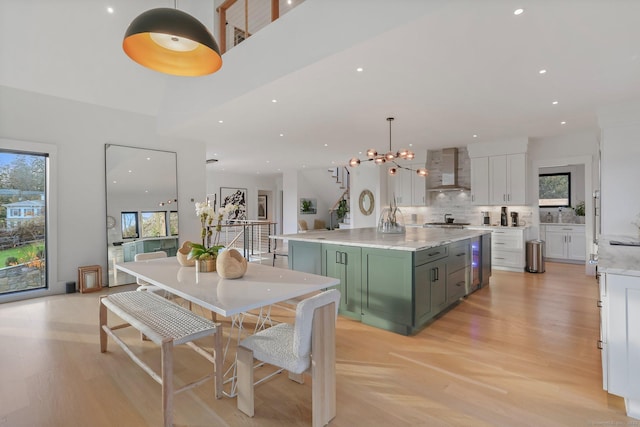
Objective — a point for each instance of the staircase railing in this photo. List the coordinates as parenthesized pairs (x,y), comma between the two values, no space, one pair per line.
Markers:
(249,237)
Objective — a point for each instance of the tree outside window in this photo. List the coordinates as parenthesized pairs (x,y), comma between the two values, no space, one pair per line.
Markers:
(555,190)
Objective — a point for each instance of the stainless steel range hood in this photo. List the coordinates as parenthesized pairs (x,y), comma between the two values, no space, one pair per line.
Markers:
(449,169)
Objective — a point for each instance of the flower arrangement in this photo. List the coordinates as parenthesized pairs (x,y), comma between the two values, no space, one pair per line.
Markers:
(208,250)
(579,209)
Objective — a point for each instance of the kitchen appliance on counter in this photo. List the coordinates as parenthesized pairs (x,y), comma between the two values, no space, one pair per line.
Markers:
(514,219)
(504,221)
(486,218)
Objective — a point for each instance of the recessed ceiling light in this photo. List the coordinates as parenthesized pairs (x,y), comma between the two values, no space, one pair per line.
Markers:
(475,136)
(543,71)
(359,69)
(130,171)
(410,145)
(563,123)
(220,121)
(115,182)
(288,1)
(110,10)
(326,145)
(518,11)
(148,158)
(555,102)
(274,100)
(282,134)
(268,161)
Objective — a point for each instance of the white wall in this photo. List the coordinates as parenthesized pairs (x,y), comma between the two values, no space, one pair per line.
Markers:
(79,132)
(254,184)
(620,169)
(371,177)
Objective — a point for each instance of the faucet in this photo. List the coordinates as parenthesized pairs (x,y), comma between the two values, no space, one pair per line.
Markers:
(445,217)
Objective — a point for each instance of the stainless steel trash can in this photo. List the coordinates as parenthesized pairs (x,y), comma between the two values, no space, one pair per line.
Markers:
(535,256)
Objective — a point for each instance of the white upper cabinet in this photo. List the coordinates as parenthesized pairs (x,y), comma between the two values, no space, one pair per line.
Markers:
(507,179)
(480,181)
(408,187)
(499,172)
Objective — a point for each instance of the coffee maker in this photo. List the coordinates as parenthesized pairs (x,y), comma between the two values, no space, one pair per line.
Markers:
(486,219)
(514,219)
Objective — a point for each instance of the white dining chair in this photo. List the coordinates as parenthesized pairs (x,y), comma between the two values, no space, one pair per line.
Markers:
(145,286)
(308,345)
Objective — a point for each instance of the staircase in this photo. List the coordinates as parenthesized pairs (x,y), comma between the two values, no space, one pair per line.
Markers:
(341,177)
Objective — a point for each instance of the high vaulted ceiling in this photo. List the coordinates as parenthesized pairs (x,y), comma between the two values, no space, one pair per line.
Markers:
(446,70)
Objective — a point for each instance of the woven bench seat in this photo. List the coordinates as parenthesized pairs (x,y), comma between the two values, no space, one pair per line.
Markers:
(166,324)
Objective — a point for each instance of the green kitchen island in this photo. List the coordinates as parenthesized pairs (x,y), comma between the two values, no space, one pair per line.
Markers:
(397,282)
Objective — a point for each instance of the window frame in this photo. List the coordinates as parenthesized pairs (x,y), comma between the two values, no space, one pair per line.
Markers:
(568,175)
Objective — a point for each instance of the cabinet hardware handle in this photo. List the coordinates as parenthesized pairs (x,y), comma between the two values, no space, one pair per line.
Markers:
(343,258)
(499,258)
(434,253)
(460,284)
(337,257)
(504,198)
(437,273)
(600,345)
(433,274)
(462,254)
(599,304)
(498,243)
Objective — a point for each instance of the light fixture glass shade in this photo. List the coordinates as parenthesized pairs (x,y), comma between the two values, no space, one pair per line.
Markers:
(410,155)
(422,172)
(379,160)
(403,153)
(371,153)
(393,171)
(172,42)
(389,156)
(354,162)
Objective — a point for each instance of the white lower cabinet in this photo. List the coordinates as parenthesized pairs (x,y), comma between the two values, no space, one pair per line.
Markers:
(620,338)
(565,242)
(508,249)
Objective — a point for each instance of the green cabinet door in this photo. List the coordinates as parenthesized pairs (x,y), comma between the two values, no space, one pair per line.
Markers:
(345,263)
(305,256)
(387,281)
(438,281)
(422,294)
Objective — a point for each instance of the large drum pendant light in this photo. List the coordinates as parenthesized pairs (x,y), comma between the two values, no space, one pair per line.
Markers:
(172,42)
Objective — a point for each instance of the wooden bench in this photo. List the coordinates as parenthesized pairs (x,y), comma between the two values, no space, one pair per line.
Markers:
(166,324)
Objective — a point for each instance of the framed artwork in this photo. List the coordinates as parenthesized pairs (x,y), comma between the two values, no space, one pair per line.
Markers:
(262,207)
(308,206)
(89,278)
(235,196)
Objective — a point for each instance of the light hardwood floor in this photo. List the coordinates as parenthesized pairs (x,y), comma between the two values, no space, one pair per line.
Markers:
(521,352)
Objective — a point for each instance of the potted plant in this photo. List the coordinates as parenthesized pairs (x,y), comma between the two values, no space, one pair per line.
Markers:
(206,256)
(306,205)
(579,210)
(342,209)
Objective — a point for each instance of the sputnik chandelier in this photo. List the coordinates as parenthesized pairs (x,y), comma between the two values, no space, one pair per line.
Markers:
(390,156)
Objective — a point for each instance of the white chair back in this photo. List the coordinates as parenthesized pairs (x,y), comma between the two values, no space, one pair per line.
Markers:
(146,256)
(304,319)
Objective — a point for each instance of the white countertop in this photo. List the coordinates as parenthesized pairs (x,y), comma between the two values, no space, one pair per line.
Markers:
(564,224)
(414,239)
(261,285)
(496,227)
(623,260)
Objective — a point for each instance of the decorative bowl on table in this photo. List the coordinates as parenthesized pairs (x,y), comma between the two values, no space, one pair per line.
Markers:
(230,264)
(183,255)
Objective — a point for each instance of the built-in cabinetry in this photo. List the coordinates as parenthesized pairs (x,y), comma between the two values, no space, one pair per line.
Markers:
(409,187)
(345,263)
(507,179)
(508,249)
(397,290)
(167,244)
(480,181)
(564,242)
(620,335)
(499,173)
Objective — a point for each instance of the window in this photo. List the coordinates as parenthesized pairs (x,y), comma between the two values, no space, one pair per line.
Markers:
(154,224)
(23,241)
(555,190)
(173,223)
(129,225)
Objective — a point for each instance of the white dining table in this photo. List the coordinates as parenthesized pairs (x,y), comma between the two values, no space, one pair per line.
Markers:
(260,286)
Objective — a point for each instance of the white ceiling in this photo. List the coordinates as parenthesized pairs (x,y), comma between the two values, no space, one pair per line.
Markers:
(446,70)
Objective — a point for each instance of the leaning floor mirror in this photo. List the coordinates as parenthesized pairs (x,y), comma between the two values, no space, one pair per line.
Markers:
(142,205)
